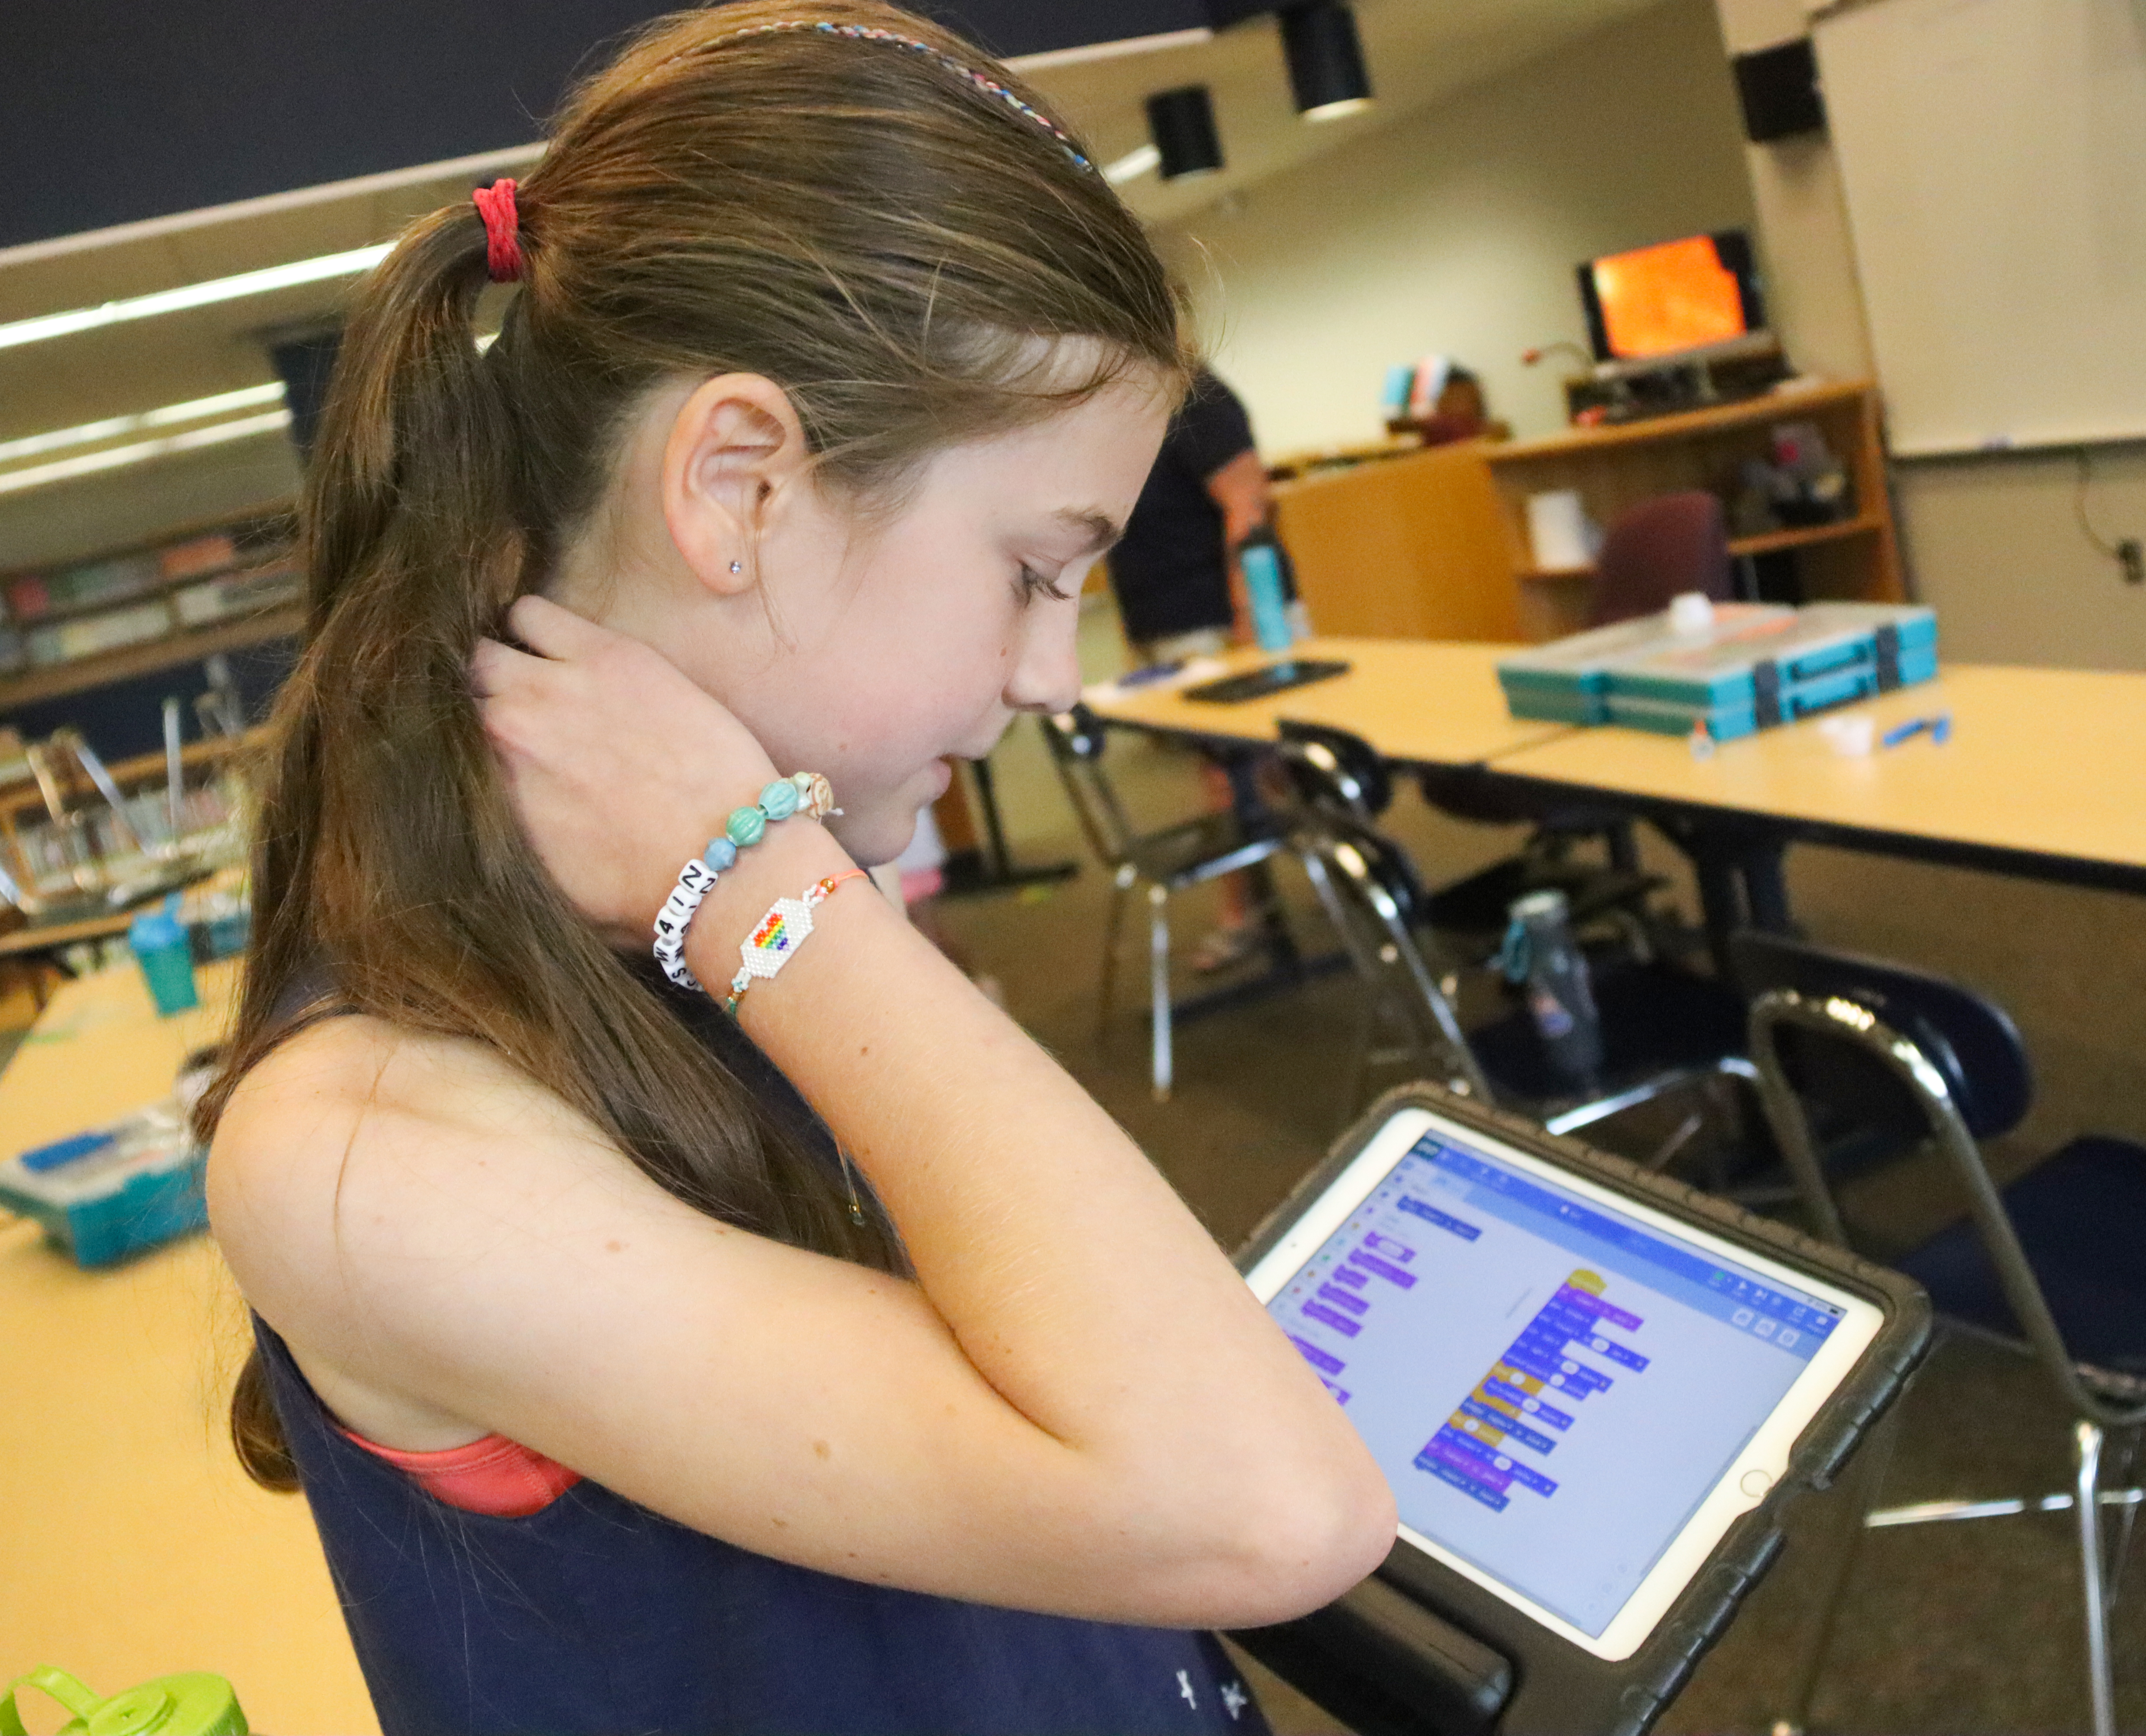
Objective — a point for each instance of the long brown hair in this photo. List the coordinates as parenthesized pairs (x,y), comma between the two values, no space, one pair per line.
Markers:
(847,216)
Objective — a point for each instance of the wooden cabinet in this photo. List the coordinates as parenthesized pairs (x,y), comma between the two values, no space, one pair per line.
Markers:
(1406,547)
(1855,559)
(1434,544)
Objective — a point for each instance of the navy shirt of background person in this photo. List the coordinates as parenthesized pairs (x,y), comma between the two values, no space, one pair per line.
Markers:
(1171,570)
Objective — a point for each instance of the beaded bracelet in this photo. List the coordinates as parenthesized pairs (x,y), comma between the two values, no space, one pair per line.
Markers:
(804,792)
(780,933)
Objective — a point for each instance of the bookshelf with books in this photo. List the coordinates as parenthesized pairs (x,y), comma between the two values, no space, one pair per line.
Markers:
(75,627)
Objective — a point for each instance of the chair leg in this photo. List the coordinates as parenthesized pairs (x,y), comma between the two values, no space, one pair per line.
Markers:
(1113,929)
(1158,906)
(2086,1504)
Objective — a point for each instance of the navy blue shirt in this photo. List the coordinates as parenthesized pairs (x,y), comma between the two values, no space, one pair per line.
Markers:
(1169,572)
(595,1617)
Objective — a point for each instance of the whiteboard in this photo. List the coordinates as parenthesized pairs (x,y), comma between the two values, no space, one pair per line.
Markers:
(1993,154)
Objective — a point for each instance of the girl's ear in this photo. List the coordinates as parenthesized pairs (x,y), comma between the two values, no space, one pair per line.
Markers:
(733,443)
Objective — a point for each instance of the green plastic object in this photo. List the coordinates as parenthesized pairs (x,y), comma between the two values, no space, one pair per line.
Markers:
(188,1705)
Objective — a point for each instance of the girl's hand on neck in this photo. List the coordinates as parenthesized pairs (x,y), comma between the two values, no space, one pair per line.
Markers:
(619,767)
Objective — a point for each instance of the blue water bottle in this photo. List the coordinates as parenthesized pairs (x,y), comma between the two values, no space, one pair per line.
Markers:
(1543,960)
(1266,584)
(159,944)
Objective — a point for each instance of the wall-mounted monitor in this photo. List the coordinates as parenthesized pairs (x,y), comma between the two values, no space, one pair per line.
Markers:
(1673,298)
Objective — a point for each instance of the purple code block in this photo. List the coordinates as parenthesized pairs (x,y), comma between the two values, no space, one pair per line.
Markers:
(1380,1268)
(1319,1358)
(1349,1276)
(1343,1298)
(1619,1317)
(1617,1353)
(1388,1246)
(1465,1484)
(1468,1465)
(1533,1479)
(1326,1317)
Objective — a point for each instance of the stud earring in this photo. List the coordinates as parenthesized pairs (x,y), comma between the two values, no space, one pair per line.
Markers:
(738,566)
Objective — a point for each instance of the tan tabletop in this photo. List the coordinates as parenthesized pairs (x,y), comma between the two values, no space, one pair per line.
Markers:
(134,1547)
(2044,763)
(1426,701)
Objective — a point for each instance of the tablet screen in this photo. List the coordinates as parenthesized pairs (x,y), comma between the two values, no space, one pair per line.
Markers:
(1554,1380)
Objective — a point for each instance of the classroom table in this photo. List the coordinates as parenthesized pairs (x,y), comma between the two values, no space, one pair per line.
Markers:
(134,1545)
(1423,702)
(2044,776)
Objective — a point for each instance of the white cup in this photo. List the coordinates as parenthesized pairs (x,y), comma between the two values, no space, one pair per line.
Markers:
(1558,531)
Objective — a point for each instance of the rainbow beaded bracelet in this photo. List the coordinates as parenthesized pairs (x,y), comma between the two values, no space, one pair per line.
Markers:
(804,792)
(780,933)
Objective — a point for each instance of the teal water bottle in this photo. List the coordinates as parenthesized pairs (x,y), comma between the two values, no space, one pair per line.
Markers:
(1267,586)
(159,944)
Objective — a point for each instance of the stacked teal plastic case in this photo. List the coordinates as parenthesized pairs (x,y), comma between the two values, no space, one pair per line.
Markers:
(1754,667)
(104,1195)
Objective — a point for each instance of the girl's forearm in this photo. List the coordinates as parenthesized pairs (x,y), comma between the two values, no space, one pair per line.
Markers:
(1075,1280)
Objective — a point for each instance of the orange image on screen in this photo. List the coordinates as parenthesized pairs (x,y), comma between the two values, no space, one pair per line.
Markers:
(1676,296)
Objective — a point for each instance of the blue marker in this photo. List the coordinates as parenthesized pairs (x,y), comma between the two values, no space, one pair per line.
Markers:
(1939,727)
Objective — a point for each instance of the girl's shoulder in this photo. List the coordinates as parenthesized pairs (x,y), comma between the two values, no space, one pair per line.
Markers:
(358,1153)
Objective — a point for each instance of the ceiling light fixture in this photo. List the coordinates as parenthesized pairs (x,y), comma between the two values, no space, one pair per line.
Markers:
(1133,165)
(88,464)
(1182,124)
(194,410)
(47,325)
(1325,56)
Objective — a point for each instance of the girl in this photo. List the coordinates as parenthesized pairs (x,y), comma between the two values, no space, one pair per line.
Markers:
(807,1353)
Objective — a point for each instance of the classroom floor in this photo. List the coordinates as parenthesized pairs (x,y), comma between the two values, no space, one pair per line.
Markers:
(1956,1629)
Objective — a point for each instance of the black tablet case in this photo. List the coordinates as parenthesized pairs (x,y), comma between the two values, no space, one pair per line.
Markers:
(1418,1650)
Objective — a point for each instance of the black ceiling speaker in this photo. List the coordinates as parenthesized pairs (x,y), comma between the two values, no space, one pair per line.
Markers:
(1181,122)
(1778,87)
(1325,59)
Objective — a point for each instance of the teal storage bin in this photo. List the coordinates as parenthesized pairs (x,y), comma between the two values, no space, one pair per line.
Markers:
(102,1196)
(1569,680)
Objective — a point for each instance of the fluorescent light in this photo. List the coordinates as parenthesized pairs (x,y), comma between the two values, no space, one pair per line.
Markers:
(1133,165)
(193,295)
(1052,57)
(113,457)
(194,410)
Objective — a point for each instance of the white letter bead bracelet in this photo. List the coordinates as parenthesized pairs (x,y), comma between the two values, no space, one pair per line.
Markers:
(805,792)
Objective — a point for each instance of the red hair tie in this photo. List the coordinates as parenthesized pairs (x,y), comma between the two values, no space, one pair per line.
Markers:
(502,244)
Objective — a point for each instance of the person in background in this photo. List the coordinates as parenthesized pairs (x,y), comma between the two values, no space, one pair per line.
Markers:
(1180,591)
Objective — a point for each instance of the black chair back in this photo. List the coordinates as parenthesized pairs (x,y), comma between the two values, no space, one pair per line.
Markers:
(1335,771)
(1386,864)
(1972,1042)
(1077,734)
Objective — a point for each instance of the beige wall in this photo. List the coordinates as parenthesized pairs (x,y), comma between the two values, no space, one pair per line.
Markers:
(1457,229)
(1994,543)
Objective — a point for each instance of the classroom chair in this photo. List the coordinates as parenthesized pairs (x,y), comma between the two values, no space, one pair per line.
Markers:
(1658,550)
(1165,862)
(1336,770)
(1665,1029)
(1858,1052)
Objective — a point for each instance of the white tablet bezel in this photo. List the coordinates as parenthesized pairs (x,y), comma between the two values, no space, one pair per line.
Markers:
(1764,1455)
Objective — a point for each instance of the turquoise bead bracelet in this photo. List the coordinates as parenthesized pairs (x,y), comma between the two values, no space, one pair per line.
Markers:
(804,792)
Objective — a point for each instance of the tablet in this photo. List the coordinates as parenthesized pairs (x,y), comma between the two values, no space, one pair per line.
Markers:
(1575,1393)
(1235,690)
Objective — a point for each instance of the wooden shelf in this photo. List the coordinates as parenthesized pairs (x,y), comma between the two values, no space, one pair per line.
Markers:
(1770,406)
(125,663)
(1771,542)
(161,591)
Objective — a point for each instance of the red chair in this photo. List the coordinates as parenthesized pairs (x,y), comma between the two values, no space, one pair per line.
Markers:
(1658,550)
